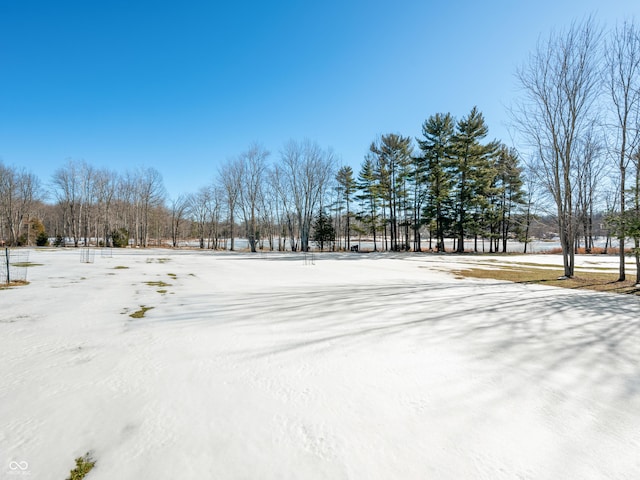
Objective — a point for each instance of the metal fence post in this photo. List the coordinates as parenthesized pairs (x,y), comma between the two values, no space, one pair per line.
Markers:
(6,253)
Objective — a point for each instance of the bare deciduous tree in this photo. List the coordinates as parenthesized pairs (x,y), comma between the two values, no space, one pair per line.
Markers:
(622,74)
(588,177)
(306,173)
(251,168)
(67,183)
(286,207)
(149,193)
(87,199)
(200,206)
(228,175)
(105,184)
(272,212)
(634,220)
(19,191)
(560,84)
(179,208)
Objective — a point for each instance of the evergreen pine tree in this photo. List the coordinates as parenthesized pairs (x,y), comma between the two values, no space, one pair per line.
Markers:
(323,231)
(472,172)
(436,147)
(369,196)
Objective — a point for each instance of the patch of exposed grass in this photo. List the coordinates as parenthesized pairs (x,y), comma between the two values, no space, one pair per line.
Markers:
(27,264)
(172,275)
(159,260)
(140,313)
(84,465)
(593,251)
(158,283)
(601,282)
(161,291)
(578,267)
(17,283)
(120,267)
(537,265)
(600,269)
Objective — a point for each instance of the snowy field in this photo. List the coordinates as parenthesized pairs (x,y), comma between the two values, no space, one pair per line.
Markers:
(352,366)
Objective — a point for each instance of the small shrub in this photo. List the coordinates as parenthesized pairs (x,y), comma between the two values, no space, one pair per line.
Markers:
(84,465)
(59,241)
(42,239)
(120,238)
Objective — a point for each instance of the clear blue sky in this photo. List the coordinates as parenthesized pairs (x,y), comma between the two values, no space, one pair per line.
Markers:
(183,86)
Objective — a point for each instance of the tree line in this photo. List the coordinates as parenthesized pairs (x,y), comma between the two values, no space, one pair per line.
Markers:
(450,184)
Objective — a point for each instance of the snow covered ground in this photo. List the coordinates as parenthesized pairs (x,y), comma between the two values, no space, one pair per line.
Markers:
(352,366)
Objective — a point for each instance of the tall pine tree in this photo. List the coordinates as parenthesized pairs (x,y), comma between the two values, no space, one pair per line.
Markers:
(436,147)
(393,153)
(369,196)
(347,184)
(472,171)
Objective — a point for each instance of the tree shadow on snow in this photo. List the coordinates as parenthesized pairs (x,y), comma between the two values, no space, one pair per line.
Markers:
(541,331)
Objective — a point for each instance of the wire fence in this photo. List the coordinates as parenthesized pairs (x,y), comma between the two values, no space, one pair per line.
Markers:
(308,258)
(13,266)
(87,255)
